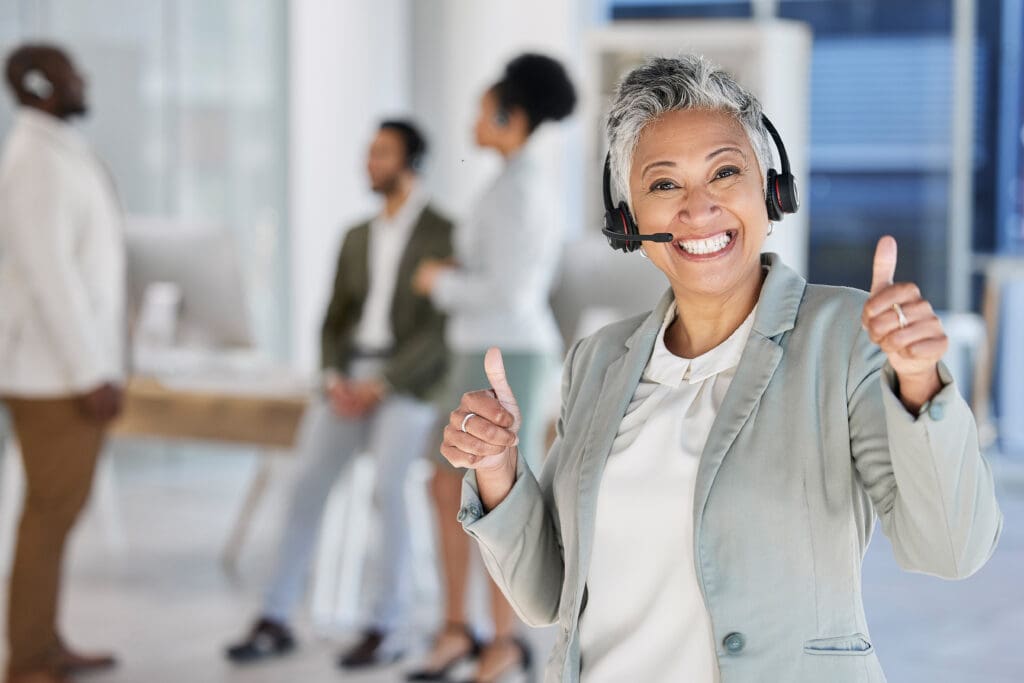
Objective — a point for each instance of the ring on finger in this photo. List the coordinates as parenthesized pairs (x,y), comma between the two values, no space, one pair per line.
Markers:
(900,315)
(465,420)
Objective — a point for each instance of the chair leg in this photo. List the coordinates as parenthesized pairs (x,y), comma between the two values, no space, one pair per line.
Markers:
(240,529)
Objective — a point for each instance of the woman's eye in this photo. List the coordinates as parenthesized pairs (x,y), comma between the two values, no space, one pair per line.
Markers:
(726,172)
(662,185)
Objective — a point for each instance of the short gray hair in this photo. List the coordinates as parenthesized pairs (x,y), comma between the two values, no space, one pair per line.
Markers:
(663,85)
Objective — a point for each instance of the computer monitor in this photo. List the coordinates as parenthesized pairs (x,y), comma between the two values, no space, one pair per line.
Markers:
(202,260)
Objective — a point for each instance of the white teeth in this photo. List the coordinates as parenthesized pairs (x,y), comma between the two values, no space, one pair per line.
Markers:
(706,246)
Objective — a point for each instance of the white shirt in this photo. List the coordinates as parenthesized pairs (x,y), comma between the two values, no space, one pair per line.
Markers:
(645,617)
(388,239)
(61,263)
(508,250)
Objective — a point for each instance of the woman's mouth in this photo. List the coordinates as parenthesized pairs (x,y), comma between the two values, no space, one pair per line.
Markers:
(708,247)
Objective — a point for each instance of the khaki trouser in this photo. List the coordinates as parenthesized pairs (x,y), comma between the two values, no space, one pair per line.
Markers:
(59,449)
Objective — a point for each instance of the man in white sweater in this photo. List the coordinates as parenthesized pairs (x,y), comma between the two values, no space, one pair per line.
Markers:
(61,339)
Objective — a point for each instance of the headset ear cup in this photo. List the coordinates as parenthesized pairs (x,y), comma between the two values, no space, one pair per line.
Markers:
(771,197)
(629,225)
(788,199)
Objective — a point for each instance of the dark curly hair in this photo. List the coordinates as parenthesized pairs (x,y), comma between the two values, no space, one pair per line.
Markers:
(539,86)
(413,140)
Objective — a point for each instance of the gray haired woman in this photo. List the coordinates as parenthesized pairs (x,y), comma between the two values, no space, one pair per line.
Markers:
(720,462)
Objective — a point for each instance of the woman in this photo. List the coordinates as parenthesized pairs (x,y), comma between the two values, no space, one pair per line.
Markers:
(703,512)
(498,295)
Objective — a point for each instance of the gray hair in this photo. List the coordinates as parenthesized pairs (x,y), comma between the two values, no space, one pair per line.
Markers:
(663,85)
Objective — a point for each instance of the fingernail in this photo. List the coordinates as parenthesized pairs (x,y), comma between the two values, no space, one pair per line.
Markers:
(516,442)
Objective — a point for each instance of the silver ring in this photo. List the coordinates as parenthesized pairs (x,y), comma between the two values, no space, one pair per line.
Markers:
(466,419)
(899,315)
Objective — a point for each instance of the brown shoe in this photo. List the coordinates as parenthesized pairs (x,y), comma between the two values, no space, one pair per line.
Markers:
(69,662)
(37,677)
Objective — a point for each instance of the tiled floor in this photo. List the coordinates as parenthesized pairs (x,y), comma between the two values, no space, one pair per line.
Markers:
(168,609)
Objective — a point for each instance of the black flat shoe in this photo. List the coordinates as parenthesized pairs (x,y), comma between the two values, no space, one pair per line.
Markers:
(525,661)
(266,640)
(368,652)
(441,673)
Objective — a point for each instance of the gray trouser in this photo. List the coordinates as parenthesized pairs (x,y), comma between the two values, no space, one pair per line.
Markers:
(395,434)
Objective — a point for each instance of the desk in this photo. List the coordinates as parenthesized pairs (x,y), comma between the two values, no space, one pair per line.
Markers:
(223,413)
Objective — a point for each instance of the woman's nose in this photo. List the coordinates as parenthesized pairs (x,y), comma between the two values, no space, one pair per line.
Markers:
(698,206)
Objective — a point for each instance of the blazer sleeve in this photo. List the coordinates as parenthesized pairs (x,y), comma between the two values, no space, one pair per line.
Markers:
(924,473)
(519,539)
(41,226)
(333,341)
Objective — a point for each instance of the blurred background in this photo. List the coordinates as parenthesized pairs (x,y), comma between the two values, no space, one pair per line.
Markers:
(236,132)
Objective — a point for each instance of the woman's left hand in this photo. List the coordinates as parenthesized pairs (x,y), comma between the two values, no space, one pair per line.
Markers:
(914,344)
(426,275)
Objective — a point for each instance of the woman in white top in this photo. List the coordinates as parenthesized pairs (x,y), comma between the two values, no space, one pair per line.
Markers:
(720,462)
(507,252)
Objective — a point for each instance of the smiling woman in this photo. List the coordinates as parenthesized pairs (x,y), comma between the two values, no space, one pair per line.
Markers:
(720,462)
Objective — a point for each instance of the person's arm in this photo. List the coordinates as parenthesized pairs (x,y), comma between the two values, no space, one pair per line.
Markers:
(924,473)
(519,537)
(41,228)
(509,268)
(332,344)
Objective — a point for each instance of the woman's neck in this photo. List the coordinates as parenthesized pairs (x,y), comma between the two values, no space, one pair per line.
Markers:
(703,322)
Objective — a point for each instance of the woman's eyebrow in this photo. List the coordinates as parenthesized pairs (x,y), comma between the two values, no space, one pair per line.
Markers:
(722,150)
(657,164)
(671,164)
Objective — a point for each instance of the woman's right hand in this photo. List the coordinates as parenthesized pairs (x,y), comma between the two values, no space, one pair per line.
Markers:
(486,440)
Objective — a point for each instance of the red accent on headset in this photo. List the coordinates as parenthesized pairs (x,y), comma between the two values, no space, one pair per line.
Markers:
(625,228)
(778,196)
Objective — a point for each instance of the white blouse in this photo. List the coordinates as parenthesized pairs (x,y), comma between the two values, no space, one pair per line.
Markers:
(645,618)
(508,251)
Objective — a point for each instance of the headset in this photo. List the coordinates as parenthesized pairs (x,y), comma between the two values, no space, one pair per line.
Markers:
(623,234)
(35,83)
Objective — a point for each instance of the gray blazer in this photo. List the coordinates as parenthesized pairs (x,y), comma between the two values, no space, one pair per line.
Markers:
(810,444)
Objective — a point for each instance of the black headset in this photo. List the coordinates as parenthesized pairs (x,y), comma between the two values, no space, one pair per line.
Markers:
(621,230)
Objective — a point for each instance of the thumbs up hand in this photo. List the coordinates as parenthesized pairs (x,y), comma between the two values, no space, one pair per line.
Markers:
(904,325)
(482,433)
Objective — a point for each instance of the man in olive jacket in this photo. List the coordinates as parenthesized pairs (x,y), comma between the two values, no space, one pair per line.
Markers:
(383,352)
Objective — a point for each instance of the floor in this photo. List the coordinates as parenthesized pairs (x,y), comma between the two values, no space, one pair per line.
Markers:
(161,599)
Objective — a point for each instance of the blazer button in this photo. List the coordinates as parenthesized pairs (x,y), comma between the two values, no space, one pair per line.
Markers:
(936,411)
(734,643)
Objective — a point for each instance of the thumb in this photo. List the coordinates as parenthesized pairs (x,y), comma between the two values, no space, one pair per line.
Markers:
(885,264)
(494,366)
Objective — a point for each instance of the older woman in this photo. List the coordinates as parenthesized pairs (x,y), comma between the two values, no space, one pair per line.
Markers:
(704,510)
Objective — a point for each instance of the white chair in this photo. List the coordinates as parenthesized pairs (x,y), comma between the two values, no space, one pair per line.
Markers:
(345,542)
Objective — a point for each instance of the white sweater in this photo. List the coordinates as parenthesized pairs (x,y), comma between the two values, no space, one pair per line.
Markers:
(61,263)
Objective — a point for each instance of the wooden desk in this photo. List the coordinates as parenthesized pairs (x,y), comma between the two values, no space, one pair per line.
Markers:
(154,410)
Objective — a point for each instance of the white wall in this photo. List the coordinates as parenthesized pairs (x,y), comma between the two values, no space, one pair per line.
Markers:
(349,67)
(461,47)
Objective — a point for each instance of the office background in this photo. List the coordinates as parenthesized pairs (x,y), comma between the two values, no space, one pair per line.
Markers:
(255,114)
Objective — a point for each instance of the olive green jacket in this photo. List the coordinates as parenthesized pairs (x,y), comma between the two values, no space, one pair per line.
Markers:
(418,359)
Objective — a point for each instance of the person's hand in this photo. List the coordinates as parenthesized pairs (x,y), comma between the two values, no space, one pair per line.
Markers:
(343,400)
(425,277)
(482,433)
(368,393)
(914,345)
(104,403)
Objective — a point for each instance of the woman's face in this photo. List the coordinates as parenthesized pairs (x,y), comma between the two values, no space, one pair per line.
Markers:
(487,131)
(695,175)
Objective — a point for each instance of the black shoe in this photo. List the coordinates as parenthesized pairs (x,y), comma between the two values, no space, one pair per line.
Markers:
(525,661)
(267,639)
(441,673)
(368,652)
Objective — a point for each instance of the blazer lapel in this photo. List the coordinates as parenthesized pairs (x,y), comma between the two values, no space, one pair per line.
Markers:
(620,382)
(778,304)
